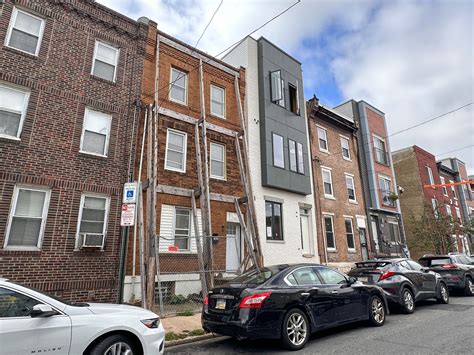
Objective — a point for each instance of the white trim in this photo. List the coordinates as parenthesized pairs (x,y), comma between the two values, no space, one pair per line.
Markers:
(352,229)
(79,219)
(430,176)
(324,150)
(453,190)
(172,83)
(443,188)
(190,222)
(185,148)
(217,177)
(107,137)
(44,216)
(341,138)
(94,58)
(23,112)
(331,196)
(328,213)
(223,103)
(10,29)
(331,215)
(350,176)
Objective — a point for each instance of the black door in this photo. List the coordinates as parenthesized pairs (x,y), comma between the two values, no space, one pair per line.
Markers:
(428,279)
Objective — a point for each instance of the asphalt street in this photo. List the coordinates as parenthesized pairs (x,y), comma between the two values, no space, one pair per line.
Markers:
(432,329)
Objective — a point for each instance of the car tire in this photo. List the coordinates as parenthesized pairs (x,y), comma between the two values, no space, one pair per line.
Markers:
(407,301)
(122,345)
(377,311)
(469,288)
(443,294)
(295,330)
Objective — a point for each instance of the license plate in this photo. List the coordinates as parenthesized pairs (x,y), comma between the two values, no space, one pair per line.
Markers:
(363,279)
(220,304)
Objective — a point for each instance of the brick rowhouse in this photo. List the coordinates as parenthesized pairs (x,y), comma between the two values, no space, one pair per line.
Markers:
(65,133)
(178,110)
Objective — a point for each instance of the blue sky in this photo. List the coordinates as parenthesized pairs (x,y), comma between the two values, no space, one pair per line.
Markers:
(412,59)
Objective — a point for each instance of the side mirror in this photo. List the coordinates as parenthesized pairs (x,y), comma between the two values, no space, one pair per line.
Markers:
(42,310)
(425,269)
(352,280)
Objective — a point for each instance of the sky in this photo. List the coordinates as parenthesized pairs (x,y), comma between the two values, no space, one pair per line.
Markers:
(413,60)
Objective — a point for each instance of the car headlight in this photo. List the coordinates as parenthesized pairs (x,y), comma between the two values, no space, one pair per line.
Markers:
(151,323)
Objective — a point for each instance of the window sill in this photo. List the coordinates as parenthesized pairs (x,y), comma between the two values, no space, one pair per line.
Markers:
(347,159)
(324,151)
(9,138)
(328,197)
(185,104)
(352,251)
(354,202)
(175,170)
(218,178)
(89,249)
(94,155)
(331,250)
(27,249)
(180,252)
(275,241)
(19,51)
(98,78)
(214,115)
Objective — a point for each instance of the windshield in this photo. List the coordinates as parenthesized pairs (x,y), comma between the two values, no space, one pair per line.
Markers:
(255,277)
(46,294)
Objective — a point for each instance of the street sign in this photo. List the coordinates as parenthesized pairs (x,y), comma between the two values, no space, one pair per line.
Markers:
(130,192)
(127,217)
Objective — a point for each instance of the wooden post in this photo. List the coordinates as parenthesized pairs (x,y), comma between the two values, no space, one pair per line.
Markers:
(141,238)
(246,234)
(202,275)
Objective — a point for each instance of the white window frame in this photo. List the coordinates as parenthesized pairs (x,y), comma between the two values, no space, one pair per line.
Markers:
(346,139)
(117,50)
(10,30)
(223,116)
(190,233)
(79,220)
(319,129)
(351,177)
(443,181)
(385,150)
(107,138)
(185,148)
(348,218)
(331,216)
(328,170)
(449,211)
(430,176)
(23,111)
(435,205)
(44,216)
(173,83)
(224,161)
(453,189)
(277,88)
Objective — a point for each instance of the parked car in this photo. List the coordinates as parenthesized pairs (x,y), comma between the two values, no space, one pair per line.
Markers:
(289,302)
(466,259)
(456,270)
(403,280)
(32,322)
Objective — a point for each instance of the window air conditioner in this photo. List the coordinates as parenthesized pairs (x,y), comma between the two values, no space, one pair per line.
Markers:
(92,240)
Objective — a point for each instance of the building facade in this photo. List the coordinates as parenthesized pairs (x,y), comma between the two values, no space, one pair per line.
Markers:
(279,157)
(341,219)
(378,178)
(68,83)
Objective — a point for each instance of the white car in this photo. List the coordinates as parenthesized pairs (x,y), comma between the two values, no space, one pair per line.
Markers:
(34,323)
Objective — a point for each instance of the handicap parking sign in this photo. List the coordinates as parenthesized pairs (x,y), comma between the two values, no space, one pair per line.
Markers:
(130,192)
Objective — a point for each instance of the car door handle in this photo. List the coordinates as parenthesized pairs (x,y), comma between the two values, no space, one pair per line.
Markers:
(304,293)
(334,291)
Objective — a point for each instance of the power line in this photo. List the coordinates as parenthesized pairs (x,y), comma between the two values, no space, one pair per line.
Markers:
(455,150)
(204,31)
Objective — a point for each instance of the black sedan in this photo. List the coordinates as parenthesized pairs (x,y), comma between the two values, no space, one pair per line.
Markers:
(456,270)
(404,281)
(289,302)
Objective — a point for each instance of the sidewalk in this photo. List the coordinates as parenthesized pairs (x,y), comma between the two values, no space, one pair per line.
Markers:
(181,330)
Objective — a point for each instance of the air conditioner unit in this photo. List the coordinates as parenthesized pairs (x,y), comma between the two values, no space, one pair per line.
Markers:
(92,240)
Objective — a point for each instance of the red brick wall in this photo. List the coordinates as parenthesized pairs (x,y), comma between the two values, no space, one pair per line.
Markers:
(48,153)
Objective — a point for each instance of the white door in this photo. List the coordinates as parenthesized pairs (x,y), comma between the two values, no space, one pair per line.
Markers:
(233,247)
(22,334)
(305,232)
(375,236)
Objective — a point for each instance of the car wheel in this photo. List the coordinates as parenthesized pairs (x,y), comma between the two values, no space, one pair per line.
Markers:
(376,311)
(408,301)
(295,329)
(114,345)
(469,288)
(443,296)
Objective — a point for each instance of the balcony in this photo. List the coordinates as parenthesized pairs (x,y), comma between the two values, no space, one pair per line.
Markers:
(381,156)
(387,199)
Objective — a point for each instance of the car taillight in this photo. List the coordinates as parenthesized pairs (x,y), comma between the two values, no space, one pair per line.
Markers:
(254,301)
(449,266)
(206,300)
(386,275)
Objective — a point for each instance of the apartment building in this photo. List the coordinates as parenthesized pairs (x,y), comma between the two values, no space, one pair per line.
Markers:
(181,87)
(279,156)
(378,178)
(69,76)
(416,168)
(340,219)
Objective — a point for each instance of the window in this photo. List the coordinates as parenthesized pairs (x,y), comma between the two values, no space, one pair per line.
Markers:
(182,222)
(414,265)
(278,156)
(453,189)
(217,101)
(381,155)
(327,182)
(105,61)
(179,86)
(332,277)
(13,104)
(277,88)
(458,213)
(430,175)
(217,161)
(449,212)
(274,225)
(27,218)
(346,153)
(434,203)
(95,132)
(350,188)
(25,32)
(93,219)
(445,190)
(296,156)
(349,233)
(14,304)
(394,231)
(385,191)
(329,228)
(294,99)
(323,140)
(303,276)
(175,158)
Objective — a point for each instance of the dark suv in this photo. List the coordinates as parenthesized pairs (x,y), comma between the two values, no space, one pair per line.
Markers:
(404,281)
(456,270)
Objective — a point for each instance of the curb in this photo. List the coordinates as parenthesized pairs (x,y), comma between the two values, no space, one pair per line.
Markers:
(169,344)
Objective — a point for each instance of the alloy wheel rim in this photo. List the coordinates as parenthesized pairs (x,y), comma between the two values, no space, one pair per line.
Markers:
(408,299)
(444,293)
(296,329)
(378,312)
(471,285)
(119,348)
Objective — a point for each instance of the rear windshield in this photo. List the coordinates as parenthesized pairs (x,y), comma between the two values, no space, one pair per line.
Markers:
(255,277)
(380,265)
(435,262)
(461,259)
